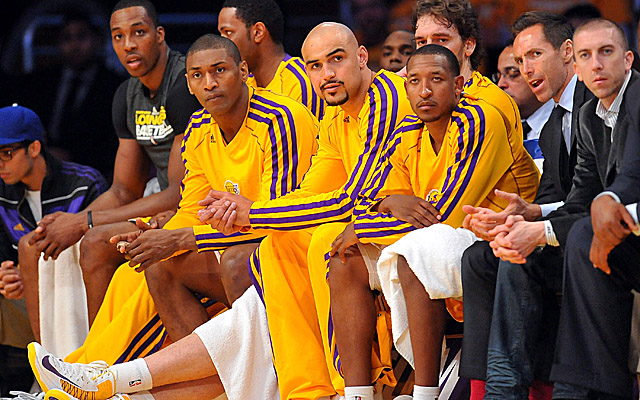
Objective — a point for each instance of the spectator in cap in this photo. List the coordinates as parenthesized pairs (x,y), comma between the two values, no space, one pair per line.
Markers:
(32,184)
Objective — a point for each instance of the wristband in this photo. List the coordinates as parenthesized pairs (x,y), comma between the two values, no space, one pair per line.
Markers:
(89,219)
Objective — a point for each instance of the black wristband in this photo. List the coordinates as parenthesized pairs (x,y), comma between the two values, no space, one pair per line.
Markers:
(89,219)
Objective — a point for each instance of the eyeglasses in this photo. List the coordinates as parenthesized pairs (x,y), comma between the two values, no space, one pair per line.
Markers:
(511,73)
(7,154)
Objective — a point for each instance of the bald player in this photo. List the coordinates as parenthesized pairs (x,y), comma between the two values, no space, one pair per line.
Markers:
(364,109)
(396,49)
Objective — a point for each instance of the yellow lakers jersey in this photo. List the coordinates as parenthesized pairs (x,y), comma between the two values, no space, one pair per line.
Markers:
(348,152)
(291,80)
(266,159)
(476,158)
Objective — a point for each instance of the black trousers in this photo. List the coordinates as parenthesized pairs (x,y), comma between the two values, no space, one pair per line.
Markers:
(595,322)
(479,274)
(15,371)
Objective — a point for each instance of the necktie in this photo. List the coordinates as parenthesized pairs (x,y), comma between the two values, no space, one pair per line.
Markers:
(526,128)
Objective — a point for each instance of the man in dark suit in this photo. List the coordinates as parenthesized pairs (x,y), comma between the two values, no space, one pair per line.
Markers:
(543,50)
(593,335)
(524,276)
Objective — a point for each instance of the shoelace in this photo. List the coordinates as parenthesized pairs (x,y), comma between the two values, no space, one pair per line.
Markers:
(24,396)
(85,373)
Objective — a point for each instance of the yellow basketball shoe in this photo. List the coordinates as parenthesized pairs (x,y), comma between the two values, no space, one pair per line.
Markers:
(82,381)
(57,394)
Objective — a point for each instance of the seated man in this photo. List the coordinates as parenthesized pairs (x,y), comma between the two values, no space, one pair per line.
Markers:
(240,131)
(525,276)
(464,143)
(169,282)
(150,111)
(33,184)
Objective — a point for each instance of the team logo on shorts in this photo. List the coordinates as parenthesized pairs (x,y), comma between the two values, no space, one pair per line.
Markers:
(231,187)
(135,383)
(434,196)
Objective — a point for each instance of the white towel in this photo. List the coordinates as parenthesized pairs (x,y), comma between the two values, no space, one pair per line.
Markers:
(239,345)
(64,319)
(434,255)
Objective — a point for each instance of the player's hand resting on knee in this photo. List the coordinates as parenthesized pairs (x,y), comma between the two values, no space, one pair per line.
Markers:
(344,240)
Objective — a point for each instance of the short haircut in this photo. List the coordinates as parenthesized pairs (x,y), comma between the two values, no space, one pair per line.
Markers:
(605,23)
(266,11)
(457,13)
(555,27)
(453,65)
(211,41)
(146,4)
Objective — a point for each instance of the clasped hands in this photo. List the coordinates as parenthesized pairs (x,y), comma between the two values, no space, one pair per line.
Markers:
(511,233)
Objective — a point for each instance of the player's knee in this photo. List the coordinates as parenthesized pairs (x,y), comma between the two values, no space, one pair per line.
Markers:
(161,274)
(95,248)
(349,273)
(233,264)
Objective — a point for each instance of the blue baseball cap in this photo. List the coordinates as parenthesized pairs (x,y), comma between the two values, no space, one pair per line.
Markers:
(19,123)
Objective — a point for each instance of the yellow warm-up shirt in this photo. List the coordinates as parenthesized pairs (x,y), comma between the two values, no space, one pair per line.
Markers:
(291,80)
(476,158)
(348,151)
(266,159)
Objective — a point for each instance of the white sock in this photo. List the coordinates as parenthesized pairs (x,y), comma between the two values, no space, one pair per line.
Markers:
(144,395)
(132,376)
(358,392)
(425,392)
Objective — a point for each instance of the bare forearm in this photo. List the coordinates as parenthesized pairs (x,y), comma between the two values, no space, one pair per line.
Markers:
(185,239)
(165,200)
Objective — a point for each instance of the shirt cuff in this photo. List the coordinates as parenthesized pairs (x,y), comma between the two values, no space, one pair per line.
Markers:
(550,234)
(633,210)
(608,193)
(548,208)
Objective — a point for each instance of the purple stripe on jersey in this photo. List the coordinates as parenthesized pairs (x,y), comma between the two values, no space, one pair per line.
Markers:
(303,85)
(379,234)
(255,260)
(158,345)
(156,333)
(137,338)
(346,218)
(227,244)
(287,57)
(473,162)
(218,235)
(379,225)
(294,140)
(274,149)
(394,101)
(454,120)
(303,218)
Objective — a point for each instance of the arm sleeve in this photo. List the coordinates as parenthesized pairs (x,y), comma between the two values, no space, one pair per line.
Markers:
(300,89)
(331,205)
(119,112)
(180,105)
(97,186)
(194,188)
(483,156)
(286,153)
(392,178)
(7,252)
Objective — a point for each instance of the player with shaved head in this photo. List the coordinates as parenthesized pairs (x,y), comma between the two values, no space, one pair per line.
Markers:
(364,108)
